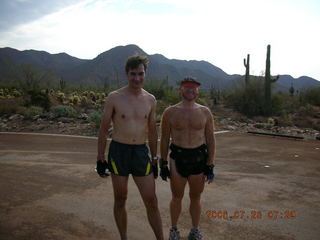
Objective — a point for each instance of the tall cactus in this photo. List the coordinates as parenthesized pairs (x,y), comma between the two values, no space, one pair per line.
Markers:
(267,84)
(247,66)
(62,84)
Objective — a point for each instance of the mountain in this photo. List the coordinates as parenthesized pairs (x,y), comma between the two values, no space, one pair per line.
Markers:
(57,63)
(109,67)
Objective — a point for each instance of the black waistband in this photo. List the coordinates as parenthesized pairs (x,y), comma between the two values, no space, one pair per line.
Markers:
(174,147)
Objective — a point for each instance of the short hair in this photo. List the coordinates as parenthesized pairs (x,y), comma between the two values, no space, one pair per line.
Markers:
(135,60)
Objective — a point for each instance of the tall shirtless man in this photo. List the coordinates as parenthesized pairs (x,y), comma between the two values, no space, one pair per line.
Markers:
(131,109)
(190,126)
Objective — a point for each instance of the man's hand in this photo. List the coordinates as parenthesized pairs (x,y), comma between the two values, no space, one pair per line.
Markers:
(209,173)
(164,170)
(155,169)
(102,168)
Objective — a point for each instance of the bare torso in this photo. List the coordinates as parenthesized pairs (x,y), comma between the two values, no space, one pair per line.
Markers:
(130,116)
(187,125)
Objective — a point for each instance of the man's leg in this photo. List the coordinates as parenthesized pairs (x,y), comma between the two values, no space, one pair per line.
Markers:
(146,186)
(177,184)
(120,189)
(196,185)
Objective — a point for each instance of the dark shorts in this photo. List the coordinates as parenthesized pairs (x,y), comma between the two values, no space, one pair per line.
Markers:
(189,161)
(125,159)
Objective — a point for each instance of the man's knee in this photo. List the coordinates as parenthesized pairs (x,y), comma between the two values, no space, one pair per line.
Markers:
(177,198)
(195,196)
(120,201)
(151,202)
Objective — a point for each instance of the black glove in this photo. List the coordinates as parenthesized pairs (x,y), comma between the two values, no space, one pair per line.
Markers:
(209,171)
(102,168)
(164,170)
(155,170)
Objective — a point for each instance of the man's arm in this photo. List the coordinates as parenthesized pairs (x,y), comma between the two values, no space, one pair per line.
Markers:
(152,130)
(104,126)
(165,135)
(210,139)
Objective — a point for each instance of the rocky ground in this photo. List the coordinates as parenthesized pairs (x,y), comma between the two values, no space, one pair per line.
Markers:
(82,126)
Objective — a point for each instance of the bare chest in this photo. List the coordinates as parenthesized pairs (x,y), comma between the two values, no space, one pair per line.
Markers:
(188,120)
(128,109)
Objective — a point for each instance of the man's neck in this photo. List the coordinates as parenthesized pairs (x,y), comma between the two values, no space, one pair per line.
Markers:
(134,91)
(188,104)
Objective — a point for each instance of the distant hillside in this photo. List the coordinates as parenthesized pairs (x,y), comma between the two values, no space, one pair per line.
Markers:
(109,66)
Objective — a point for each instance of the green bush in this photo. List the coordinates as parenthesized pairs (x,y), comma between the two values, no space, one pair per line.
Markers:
(311,96)
(96,118)
(29,112)
(64,111)
(248,100)
(39,98)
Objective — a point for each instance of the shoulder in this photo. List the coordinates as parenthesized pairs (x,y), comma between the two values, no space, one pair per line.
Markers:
(149,96)
(205,110)
(115,94)
(170,110)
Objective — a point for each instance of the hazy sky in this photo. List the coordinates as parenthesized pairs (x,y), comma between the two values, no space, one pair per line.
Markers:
(221,32)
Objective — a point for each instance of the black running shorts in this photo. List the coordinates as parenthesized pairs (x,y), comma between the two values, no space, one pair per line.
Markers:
(189,161)
(125,159)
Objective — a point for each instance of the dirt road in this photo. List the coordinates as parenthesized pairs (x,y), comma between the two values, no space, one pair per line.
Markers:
(265,188)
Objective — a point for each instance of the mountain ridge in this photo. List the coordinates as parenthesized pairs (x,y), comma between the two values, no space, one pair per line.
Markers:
(110,65)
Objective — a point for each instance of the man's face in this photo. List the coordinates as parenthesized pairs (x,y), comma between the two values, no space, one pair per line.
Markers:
(136,77)
(189,93)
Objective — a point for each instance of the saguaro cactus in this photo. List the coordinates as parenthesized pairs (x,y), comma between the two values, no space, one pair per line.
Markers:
(62,84)
(267,84)
(247,66)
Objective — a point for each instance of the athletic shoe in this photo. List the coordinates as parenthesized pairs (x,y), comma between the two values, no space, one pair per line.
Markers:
(174,234)
(195,235)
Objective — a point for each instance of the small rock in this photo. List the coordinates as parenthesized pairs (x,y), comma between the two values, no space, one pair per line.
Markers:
(15,117)
(83,116)
(36,117)
(66,120)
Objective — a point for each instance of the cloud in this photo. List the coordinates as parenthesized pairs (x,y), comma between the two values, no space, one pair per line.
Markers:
(221,32)
(16,12)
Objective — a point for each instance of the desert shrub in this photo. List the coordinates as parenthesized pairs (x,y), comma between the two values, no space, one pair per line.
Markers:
(39,98)
(248,100)
(8,106)
(171,96)
(60,96)
(311,96)
(76,100)
(157,87)
(64,111)
(29,112)
(201,101)
(96,118)
(84,101)
(283,102)
(308,110)
(161,106)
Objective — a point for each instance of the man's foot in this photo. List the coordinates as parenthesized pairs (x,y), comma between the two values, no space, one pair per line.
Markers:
(195,234)
(174,234)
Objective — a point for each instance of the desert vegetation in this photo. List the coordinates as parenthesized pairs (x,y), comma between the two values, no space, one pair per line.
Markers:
(33,94)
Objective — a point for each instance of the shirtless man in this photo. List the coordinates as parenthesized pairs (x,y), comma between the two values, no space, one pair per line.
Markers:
(190,126)
(131,109)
